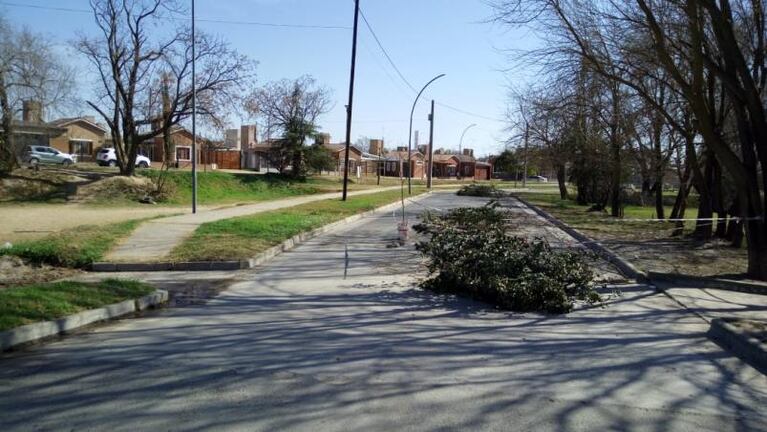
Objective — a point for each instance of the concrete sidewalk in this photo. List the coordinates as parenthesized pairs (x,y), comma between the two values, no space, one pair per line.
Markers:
(155,239)
(711,303)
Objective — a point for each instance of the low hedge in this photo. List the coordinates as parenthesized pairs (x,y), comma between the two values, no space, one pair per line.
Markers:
(481,190)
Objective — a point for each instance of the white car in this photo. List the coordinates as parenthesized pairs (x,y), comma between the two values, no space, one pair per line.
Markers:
(108,157)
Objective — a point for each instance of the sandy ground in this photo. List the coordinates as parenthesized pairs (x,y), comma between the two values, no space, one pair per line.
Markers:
(31,221)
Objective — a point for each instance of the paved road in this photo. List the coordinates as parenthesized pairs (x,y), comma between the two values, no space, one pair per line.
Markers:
(295,346)
(155,239)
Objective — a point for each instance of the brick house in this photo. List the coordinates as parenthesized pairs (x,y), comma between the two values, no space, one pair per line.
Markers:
(445,165)
(338,152)
(483,171)
(82,137)
(467,164)
(397,164)
(181,144)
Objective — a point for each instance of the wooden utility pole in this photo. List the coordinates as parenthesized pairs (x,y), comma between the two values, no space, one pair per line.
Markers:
(430,164)
(351,99)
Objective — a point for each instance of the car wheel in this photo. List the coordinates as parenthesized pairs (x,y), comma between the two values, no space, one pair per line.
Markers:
(67,163)
(112,163)
(34,162)
(143,164)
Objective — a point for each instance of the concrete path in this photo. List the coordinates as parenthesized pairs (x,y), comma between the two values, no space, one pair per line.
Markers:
(155,239)
(295,345)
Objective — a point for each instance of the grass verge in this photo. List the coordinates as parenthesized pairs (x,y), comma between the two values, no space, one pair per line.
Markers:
(48,301)
(602,226)
(244,237)
(75,248)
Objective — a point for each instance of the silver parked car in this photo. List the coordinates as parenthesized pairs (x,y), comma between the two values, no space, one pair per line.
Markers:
(35,155)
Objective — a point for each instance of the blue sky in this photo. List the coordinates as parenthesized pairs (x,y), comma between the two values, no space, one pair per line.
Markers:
(423,37)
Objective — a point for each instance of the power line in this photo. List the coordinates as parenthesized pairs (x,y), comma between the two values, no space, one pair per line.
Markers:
(185,18)
(380,45)
(402,76)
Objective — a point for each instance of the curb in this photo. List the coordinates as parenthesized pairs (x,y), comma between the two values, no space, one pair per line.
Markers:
(625,267)
(42,330)
(710,282)
(250,263)
(629,270)
(748,348)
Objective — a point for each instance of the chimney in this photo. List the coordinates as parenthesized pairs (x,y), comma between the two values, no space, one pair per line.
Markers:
(32,111)
(248,137)
(232,139)
(323,139)
(376,146)
(468,152)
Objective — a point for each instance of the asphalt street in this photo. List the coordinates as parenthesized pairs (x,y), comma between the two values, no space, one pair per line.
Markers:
(313,341)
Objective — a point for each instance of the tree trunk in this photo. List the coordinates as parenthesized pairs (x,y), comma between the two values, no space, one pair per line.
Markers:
(734,233)
(703,226)
(562,181)
(8,161)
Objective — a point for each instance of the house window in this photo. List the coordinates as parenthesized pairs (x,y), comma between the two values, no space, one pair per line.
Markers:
(183,153)
(82,149)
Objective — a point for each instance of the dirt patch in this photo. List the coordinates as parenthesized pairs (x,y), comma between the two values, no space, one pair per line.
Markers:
(14,272)
(29,221)
(681,256)
(42,185)
(116,188)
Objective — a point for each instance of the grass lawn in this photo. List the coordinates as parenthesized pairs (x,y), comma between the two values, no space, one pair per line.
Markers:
(43,302)
(76,248)
(227,188)
(244,237)
(603,226)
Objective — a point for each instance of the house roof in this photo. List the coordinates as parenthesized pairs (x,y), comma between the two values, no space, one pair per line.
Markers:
(486,164)
(62,122)
(445,158)
(465,158)
(402,155)
(35,128)
(335,148)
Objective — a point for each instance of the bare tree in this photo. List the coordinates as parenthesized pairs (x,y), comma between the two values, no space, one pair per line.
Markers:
(292,108)
(131,56)
(29,70)
(712,54)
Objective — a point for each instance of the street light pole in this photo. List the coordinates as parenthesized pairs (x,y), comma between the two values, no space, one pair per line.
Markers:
(460,143)
(410,136)
(194,116)
(430,163)
(351,100)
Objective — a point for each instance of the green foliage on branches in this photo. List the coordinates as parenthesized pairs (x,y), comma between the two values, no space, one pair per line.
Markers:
(471,252)
(481,190)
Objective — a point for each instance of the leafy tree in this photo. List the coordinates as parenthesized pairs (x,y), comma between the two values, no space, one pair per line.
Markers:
(319,159)
(292,108)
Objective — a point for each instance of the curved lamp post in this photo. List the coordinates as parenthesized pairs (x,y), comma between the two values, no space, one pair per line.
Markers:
(410,136)
(460,143)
